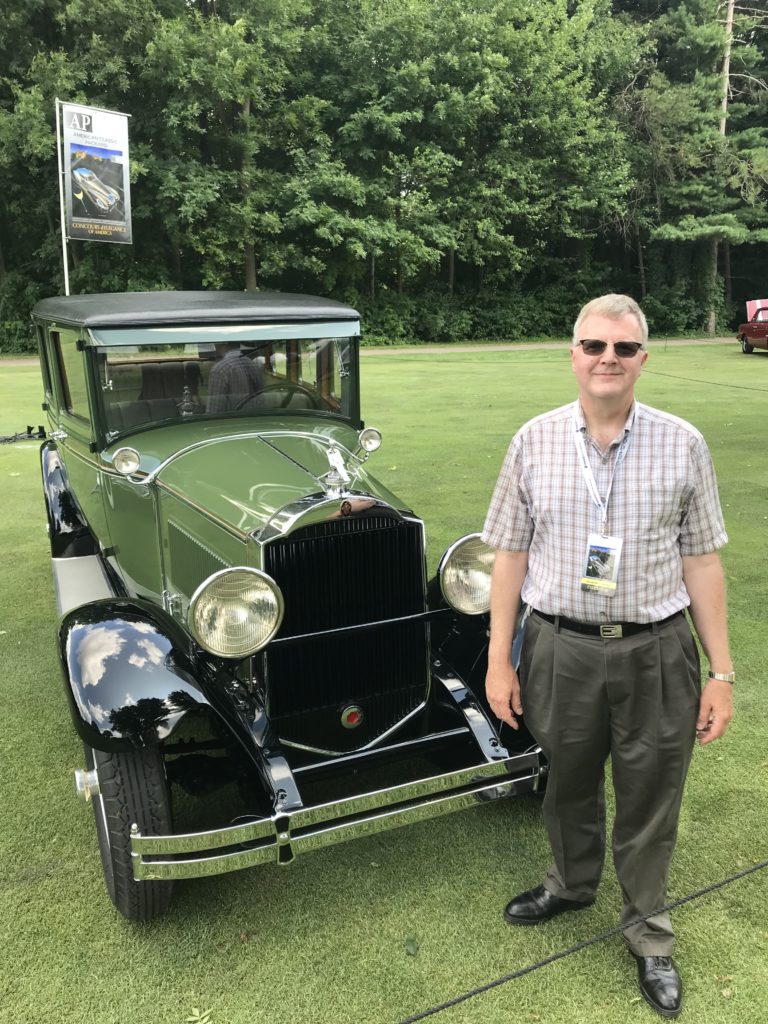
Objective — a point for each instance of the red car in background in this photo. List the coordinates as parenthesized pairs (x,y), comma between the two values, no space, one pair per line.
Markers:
(754,333)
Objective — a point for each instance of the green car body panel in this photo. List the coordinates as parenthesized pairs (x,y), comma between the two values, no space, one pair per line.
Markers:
(219,490)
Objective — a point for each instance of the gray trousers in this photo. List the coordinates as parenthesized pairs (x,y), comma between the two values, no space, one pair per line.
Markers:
(635,699)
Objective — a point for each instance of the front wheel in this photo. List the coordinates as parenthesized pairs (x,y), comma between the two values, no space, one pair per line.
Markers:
(745,346)
(132,788)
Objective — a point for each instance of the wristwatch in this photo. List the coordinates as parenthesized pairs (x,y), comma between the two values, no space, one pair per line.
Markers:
(724,677)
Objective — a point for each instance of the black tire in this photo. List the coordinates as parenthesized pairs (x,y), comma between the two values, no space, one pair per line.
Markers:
(133,788)
(745,346)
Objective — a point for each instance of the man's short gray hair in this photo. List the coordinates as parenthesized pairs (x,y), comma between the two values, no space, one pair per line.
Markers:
(614,307)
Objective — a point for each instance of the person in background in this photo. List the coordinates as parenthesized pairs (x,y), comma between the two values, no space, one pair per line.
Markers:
(233,381)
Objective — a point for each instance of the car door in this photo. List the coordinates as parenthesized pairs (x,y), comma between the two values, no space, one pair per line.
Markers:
(74,435)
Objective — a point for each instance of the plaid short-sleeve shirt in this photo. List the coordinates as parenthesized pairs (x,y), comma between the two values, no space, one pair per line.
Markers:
(232,381)
(663,504)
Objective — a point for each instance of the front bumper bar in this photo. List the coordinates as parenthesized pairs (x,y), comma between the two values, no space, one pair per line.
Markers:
(279,838)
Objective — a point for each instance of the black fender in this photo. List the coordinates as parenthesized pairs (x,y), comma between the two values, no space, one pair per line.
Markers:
(130,673)
(461,642)
(68,532)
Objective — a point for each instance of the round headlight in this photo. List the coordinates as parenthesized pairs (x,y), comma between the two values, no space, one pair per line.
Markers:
(236,612)
(126,461)
(369,439)
(465,575)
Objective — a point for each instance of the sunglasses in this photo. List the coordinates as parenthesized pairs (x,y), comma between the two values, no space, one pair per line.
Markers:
(623,349)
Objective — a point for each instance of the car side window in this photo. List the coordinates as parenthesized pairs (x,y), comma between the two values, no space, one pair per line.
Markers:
(74,396)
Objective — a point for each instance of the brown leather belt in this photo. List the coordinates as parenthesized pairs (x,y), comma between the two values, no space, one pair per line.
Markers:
(605,630)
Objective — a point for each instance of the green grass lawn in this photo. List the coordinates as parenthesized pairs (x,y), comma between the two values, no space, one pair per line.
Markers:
(325,939)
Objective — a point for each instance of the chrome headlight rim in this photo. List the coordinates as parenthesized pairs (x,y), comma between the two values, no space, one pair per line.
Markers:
(126,460)
(200,593)
(369,440)
(444,564)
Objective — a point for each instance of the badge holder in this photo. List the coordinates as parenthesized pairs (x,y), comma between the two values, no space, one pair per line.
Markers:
(602,564)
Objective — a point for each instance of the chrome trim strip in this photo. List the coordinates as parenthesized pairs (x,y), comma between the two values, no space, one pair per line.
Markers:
(368,746)
(427,616)
(311,434)
(259,435)
(329,442)
(241,535)
(319,508)
(283,835)
(75,454)
(139,477)
(193,447)
(424,586)
(265,436)
(105,336)
(148,478)
(364,755)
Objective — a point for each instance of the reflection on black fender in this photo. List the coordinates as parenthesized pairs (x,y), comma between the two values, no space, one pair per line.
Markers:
(130,676)
(67,530)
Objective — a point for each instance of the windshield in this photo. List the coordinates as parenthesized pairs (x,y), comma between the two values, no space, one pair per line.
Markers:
(143,385)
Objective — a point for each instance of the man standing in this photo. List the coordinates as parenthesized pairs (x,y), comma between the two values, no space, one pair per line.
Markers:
(606,523)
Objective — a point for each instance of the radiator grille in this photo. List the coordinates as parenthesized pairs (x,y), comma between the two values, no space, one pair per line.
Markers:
(342,573)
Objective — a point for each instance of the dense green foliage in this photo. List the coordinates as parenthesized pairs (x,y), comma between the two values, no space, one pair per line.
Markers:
(458,169)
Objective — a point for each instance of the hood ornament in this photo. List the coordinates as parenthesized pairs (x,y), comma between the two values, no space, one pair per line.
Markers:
(340,476)
(337,480)
(336,461)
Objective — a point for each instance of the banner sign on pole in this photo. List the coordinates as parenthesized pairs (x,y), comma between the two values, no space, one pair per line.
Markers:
(96,179)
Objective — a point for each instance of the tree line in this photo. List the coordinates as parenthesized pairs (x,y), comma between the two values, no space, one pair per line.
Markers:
(456,168)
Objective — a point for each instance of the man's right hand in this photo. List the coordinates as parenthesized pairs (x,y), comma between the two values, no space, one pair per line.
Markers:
(502,688)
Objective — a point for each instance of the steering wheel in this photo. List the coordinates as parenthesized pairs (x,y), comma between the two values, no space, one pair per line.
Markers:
(291,389)
(248,398)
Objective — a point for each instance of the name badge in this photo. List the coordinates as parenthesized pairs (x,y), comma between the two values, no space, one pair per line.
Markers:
(602,570)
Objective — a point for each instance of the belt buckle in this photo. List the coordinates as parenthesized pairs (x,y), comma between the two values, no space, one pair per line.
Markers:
(611,631)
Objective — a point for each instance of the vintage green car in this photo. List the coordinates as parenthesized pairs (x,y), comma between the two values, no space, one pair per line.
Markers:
(244,609)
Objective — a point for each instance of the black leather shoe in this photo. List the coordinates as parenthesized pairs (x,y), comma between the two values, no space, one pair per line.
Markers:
(660,984)
(539,905)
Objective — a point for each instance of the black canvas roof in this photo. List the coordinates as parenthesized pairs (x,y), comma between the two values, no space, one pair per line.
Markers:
(136,308)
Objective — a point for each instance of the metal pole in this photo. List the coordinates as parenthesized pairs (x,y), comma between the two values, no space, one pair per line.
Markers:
(726,67)
(61,199)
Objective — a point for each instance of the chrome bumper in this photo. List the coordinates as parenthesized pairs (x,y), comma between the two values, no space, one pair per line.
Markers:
(278,839)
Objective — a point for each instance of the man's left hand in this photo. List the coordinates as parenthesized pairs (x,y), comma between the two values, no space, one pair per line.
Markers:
(715,711)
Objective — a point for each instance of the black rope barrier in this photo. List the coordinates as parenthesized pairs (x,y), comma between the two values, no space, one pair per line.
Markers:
(698,380)
(457,1000)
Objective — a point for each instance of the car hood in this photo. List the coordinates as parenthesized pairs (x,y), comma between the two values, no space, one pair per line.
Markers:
(244,481)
